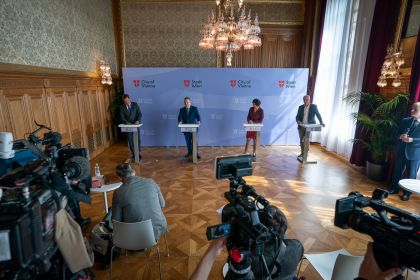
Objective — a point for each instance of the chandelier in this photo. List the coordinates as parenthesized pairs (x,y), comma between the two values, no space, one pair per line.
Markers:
(228,32)
(391,67)
(105,72)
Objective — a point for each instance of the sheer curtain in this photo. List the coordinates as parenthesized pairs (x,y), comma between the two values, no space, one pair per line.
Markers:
(341,66)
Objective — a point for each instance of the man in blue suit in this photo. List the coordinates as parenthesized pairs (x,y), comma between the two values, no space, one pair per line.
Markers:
(306,115)
(130,114)
(189,115)
(407,150)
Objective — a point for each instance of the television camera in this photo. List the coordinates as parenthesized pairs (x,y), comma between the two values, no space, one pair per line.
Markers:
(32,193)
(245,221)
(396,240)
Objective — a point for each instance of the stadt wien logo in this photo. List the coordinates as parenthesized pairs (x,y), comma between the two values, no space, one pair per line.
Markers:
(281,83)
(287,84)
(193,83)
(233,83)
(136,83)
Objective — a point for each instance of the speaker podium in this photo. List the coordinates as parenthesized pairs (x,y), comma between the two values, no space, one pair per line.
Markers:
(193,129)
(133,128)
(308,128)
(257,128)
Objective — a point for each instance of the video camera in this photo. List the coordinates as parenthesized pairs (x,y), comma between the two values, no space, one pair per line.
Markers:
(245,220)
(32,194)
(396,239)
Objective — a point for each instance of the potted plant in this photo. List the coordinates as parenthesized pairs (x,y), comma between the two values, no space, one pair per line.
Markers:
(114,109)
(379,124)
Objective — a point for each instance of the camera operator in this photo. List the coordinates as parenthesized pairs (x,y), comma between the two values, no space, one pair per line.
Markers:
(283,266)
(369,269)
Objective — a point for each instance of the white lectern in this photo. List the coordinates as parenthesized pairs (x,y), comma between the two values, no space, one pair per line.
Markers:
(257,128)
(308,128)
(193,129)
(134,129)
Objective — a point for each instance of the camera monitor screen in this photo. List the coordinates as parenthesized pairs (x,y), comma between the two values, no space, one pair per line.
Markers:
(233,167)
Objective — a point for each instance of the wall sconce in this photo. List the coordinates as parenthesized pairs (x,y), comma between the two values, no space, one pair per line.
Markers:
(105,72)
(391,67)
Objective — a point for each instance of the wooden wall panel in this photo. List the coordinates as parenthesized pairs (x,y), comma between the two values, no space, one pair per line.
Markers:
(103,96)
(74,119)
(15,115)
(37,108)
(2,124)
(59,114)
(74,106)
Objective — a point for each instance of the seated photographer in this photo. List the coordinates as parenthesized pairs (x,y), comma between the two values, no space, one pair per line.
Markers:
(138,199)
(281,267)
(369,269)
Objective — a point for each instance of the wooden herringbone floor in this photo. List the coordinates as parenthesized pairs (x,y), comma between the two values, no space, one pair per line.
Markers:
(305,193)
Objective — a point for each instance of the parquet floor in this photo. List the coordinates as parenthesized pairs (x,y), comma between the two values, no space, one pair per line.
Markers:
(305,193)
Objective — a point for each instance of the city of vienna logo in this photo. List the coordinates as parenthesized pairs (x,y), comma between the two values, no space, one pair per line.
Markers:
(281,83)
(187,83)
(136,83)
(241,84)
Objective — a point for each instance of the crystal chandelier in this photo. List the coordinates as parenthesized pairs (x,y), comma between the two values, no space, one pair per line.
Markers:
(229,32)
(391,68)
(105,72)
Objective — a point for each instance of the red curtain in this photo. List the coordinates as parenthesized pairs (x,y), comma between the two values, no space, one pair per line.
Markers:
(383,28)
(414,88)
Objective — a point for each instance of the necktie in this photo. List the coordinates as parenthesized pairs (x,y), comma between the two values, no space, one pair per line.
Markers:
(129,109)
(188,111)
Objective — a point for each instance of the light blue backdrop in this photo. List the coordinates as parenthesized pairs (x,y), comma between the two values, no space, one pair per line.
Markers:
(223,97)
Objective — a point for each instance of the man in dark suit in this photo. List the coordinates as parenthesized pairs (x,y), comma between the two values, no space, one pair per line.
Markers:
(306,115)
(130,114)
(189,115)
(407,150)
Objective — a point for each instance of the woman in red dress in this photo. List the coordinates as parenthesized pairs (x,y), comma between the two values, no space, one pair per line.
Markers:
(255,115)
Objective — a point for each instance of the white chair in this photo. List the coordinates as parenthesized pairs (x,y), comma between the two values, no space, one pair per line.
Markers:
(336,265)
(134,237)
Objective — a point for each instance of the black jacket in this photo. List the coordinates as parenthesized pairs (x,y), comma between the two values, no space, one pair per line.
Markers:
(313,111)
(132,116)
(410,150)
(192,117)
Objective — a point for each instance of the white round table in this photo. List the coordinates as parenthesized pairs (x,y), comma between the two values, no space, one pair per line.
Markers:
(104,189)
(411,185)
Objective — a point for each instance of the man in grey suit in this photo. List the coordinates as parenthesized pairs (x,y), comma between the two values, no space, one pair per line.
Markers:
(407,150)
(138,199)
(306,115)
(130,114)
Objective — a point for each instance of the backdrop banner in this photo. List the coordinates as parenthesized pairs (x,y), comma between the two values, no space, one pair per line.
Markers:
(223,97)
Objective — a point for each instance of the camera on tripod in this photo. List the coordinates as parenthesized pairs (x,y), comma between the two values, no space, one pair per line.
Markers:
(396,239)
(31,196)
(246,221)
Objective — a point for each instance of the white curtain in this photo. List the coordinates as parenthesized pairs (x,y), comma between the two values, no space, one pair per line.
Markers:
(345,40)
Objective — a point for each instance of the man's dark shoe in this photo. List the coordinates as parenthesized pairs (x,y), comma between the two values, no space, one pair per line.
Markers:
(188,155)
(301,155)
(405,197)
(198,157)
(393,192)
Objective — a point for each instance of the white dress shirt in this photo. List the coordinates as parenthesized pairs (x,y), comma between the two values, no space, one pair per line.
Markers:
(305,114)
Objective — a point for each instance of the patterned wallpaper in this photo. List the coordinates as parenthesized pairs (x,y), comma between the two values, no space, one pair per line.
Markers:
(165,34)
(63,34)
